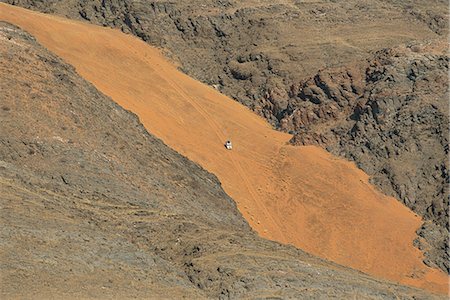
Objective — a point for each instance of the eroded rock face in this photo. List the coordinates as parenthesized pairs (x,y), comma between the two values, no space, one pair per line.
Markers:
(328,96)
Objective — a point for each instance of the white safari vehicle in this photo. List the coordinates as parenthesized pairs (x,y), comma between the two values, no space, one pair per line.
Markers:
(228,145)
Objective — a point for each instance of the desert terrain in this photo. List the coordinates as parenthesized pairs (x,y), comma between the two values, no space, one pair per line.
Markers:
(351,76)
(295,195)
(95,207)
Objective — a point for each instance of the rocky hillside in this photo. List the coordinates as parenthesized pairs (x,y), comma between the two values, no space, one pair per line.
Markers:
(352,76)
(94,206)
(267,56)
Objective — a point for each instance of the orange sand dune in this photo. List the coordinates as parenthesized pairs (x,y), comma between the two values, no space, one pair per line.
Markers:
(296,195)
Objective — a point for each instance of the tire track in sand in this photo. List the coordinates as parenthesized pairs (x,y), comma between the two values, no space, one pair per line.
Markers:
(215,127)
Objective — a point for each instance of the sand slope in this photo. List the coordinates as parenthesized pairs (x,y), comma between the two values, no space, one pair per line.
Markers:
(297,195)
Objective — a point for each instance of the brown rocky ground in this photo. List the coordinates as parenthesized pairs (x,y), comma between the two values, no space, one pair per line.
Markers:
(93,206)
(267,56)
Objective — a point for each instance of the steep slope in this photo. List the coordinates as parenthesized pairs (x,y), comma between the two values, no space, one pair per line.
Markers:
(302,196)
(95,207)
(262,53)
